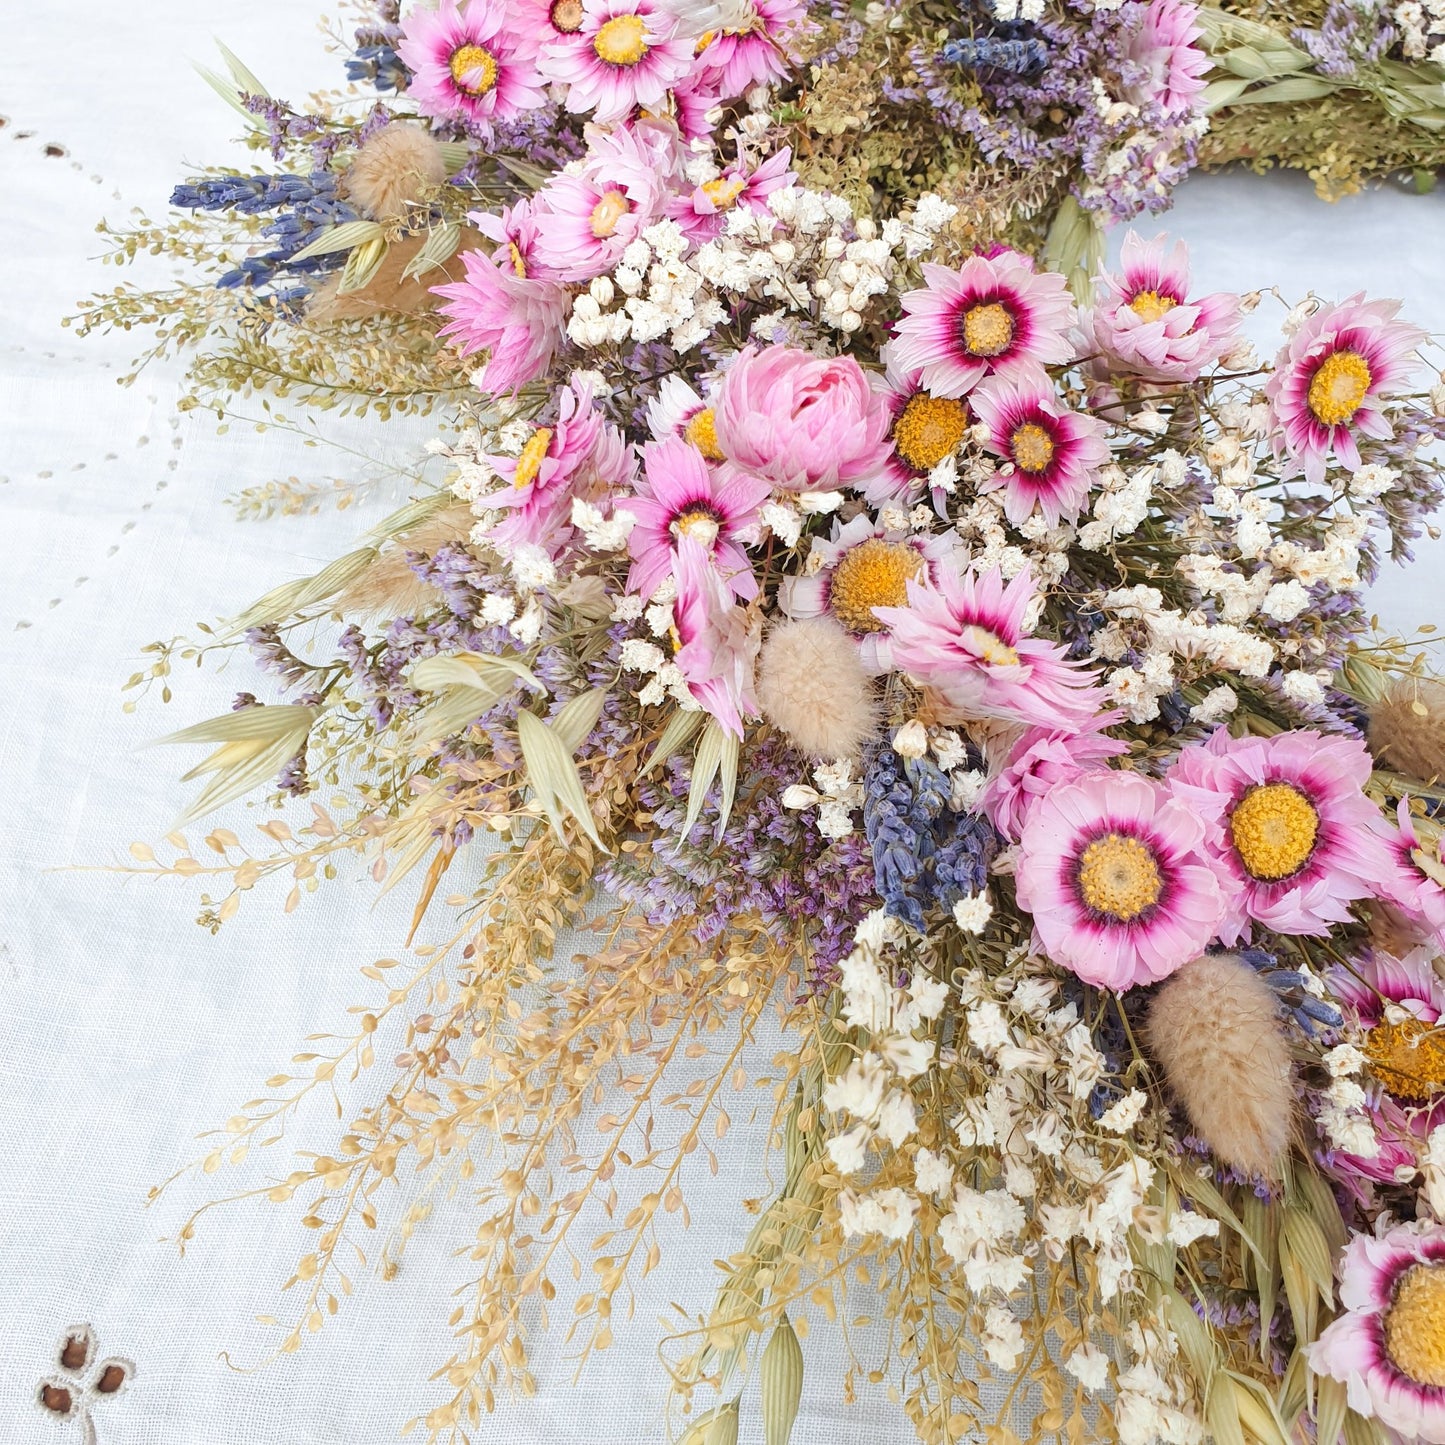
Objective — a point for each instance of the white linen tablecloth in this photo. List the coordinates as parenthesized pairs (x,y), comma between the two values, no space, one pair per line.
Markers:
(125,1029)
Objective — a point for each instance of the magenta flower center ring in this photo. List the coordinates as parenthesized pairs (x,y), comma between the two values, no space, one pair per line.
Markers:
(988,329)
(474,69)
(873,574)
(1339,387)
(701,523)
(621,41)
(1031,447)
(1118,877)
(1152,306)
(928,429)
(1274,828)
(1415,1325)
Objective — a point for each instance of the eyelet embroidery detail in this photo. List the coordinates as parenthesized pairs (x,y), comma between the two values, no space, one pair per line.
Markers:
(83,1381)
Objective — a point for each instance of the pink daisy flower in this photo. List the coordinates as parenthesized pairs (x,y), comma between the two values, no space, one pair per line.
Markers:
(1111,868)
(587,220)
(923,431)
(717,645)
(865,566)
(751,53)
(1416,886)
(1168,63)
(579,455)
(470,64)
(701,213)
(964,637)
(1039,760)
(680,495)
(1388,1345)
(991,312)
(696,100)
(1051,453)
(541,22)
(1329,381)
(679,411)
(802,422)
(1295,838)
(509,304)
(1144,323)
(625,54)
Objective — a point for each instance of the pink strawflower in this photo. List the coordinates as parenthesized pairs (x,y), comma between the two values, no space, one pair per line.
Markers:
(964,636)
(679,411)
(748,56)
(581,455)
(717,644)
(696,103)
(1051,453)
(1294,836)
(701,212)
(509,304)
(1112,870)
(1144,323)
(472,64)
(1039,760)
(802,422)
(1330,379)
(539,22)
(1416,885)
(1387,1346)
(924,430)
(865,566)
(625,54)
(990,313)
(587,220)
(1169,65)
(680,495)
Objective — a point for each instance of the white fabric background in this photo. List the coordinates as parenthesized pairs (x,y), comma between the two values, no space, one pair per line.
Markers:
(124,1028)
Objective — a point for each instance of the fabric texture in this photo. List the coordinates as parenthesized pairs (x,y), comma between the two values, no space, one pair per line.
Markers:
(126,1029)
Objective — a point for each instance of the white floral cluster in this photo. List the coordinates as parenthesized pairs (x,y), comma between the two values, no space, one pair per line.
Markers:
(1122,500)
(1422,29)
(836,796)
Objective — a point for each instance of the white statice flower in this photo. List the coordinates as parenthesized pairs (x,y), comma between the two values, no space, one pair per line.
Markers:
(927,994)
(1344,1060)
(859,1089)
(1304,689)
(1349,1130)
(973,1126)
(1186,1226)
(836,796)
(849,1150)
(964,788)
(527,627)
(911,740)
(932,1173)
(897,1120)
(627,608)
(1216,704)
(1372,481)
(973,913)
(602,534)
(532,568)
(1285,600)
(909,1057)
(889,1212)
(1089,1365)
(1121,1116)
(1002,1338)
(988,1030)
(498,609)
(1085,1064)
(784,521)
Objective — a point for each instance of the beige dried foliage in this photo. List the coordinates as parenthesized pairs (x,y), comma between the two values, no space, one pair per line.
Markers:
(1407,728)
(389,291)
(397,168)
(812,686)
(389,587)
(1215,1029)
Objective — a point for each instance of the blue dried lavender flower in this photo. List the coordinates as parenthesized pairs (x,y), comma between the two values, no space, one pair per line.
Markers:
(1023,56)
(1312,1014)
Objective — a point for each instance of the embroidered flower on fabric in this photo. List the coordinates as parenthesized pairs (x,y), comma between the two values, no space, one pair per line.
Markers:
(82,1381)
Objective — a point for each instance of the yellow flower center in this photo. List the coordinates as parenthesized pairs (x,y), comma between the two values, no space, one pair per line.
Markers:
(988,330)
(722,191)
(608,212)
(1119,877)
(566,16)
(1408,1058)
(989,646)
(1151,306)
(620,41)
(1274,828)
(518,264)
(1415,1325)
(531,457)
(701,432)
(873,574)
(1338,387)
(699,523)
(928,429)
(1032,448)
(704,40)
(474,69)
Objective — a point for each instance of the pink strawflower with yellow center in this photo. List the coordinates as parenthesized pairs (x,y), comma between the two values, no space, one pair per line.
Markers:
(1039,760)
(1112,870)
(1330,380)
(1168,63)
(993,312)
(965,638)
(587,220)
(696,104)
(1293,834)
(717,646)
(625,54)
(864,567)
(924,430)
(680,495)
(579,455)
(543,21)
(1144,323)
(701,213)
(802,422)
(679,411)
(473,64)
(509,304)
(1416,885)
(1388,1347)
(1050,453)
(742,55)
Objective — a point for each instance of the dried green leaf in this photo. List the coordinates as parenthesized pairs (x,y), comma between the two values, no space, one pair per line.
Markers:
(782,1383)
(362,265)
(293,597)
(680,727)
(554,776)
(440,245)
(1222,1412)
(341,237)
(245,79)
(577,717)
(1330,1407)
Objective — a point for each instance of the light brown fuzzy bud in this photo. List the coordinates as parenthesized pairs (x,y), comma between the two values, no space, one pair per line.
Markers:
(397,167)
(812,686)
(1407,728)
(1215,1029)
